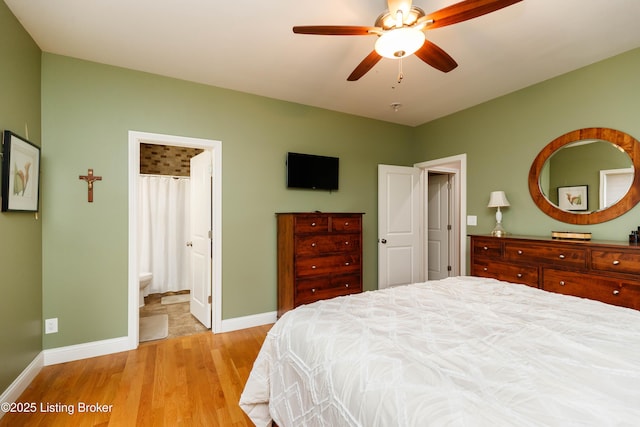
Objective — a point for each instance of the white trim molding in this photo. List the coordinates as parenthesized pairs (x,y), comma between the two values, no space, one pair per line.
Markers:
(235,324)
(20,384)
(116,345)
(70,353)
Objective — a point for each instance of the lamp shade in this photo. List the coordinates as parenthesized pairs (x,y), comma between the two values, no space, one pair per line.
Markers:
(399,42)
(498,199)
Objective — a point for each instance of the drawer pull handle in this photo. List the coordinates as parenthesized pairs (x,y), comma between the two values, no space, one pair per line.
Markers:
(616,262)
(346,243)
(346,224)
(561,256)
(519,252)
(313,267)
(561,282)
(616,291)
(485,269)
(346,285)
(485,248)
(313,224)
(519,275)
(347,263)
(313,291)
(313,245)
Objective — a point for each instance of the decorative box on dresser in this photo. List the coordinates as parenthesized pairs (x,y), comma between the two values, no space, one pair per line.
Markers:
(319,257)
(599,270)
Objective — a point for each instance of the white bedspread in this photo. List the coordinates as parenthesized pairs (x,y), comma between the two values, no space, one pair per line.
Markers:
(463,351)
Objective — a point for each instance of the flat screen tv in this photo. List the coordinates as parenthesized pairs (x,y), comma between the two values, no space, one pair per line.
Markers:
(311,171)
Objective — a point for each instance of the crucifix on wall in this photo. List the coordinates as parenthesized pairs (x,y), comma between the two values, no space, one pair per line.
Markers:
(90,178)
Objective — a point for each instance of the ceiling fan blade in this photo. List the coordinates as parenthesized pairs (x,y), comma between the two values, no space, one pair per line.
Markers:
(334,30)
(465,10)
(436,57)
(366,64)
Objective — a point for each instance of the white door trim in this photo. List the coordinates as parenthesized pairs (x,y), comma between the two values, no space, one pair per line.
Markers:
(456,165)
(135,139)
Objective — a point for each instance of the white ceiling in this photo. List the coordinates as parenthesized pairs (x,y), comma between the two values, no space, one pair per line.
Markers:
(248,45)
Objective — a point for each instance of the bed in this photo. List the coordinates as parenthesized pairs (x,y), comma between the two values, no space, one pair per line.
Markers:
(463,351)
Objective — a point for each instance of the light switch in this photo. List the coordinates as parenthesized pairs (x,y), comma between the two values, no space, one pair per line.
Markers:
(472,220)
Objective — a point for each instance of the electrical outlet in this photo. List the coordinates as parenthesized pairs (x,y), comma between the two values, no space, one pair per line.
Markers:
(51,326)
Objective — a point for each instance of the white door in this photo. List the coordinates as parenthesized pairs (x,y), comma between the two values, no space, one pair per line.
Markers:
(200,243)
(438,226)
(399,226)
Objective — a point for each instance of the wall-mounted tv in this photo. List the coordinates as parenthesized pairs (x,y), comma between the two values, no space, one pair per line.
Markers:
(311,171)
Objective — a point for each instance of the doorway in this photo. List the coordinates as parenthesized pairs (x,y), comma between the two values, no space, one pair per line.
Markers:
(405,247)
(213,274)
(440,226)
(445,188)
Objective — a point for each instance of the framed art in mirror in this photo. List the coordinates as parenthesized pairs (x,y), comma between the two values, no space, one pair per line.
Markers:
(20,174)
(573,198)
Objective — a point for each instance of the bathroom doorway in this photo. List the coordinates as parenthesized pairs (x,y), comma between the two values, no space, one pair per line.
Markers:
(138,143)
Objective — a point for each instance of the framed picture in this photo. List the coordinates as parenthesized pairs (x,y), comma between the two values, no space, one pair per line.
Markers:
(20,174)
(573,198)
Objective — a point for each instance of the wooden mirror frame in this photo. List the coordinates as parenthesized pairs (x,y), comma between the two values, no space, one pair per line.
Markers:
(625,141)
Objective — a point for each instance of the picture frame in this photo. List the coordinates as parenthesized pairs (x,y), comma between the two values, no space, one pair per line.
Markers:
(20,174)
(573,198)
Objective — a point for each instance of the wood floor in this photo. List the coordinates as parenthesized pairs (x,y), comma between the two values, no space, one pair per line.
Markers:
(194,380)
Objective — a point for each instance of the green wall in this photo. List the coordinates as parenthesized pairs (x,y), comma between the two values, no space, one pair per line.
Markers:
(502,137)
(20,233)
(87,111)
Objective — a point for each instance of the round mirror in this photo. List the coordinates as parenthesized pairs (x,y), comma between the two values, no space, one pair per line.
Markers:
(587,176)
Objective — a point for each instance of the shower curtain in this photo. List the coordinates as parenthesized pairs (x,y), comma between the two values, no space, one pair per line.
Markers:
(163,227)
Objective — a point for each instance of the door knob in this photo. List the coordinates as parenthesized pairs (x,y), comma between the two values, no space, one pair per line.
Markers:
(189,243)
(383,241)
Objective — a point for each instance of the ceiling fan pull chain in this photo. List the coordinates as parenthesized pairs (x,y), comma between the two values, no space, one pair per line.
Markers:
(400,73)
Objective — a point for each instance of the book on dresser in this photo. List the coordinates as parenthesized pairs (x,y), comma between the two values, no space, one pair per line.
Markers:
(606,271)
(319,257)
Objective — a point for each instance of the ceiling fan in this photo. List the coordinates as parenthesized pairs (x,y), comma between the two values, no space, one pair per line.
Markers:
(400,31)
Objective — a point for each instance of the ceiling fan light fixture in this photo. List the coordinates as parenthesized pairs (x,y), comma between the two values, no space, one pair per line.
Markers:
(399,42)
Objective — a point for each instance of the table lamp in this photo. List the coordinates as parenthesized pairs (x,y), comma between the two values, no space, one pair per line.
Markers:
(498,200)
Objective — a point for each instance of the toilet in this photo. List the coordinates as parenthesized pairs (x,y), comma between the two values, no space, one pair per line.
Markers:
(145,280)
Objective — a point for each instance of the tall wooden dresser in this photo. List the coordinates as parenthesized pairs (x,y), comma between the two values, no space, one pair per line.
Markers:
(319,257)
(603,271)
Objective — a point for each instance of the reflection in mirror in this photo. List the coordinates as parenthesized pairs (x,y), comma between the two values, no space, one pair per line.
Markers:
(600,168)
(614,185)
(566,167)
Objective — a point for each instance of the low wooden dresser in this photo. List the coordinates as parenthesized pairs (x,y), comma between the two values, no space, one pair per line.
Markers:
(319,257)
(604,271)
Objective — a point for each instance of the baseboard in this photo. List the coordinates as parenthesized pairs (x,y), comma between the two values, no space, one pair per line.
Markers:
(237,323)
(83,351)
(13,392)
(115,345)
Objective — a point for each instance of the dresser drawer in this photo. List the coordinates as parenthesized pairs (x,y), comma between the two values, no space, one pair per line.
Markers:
(322,294)
(311,224)
(610,290)
(615,261)
(311,245)
(340,284)
(487,248)
(524,274)
(549,254)
(347,224)
(332,264)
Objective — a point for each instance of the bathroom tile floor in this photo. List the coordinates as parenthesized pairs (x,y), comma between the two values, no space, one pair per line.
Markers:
(181,322)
